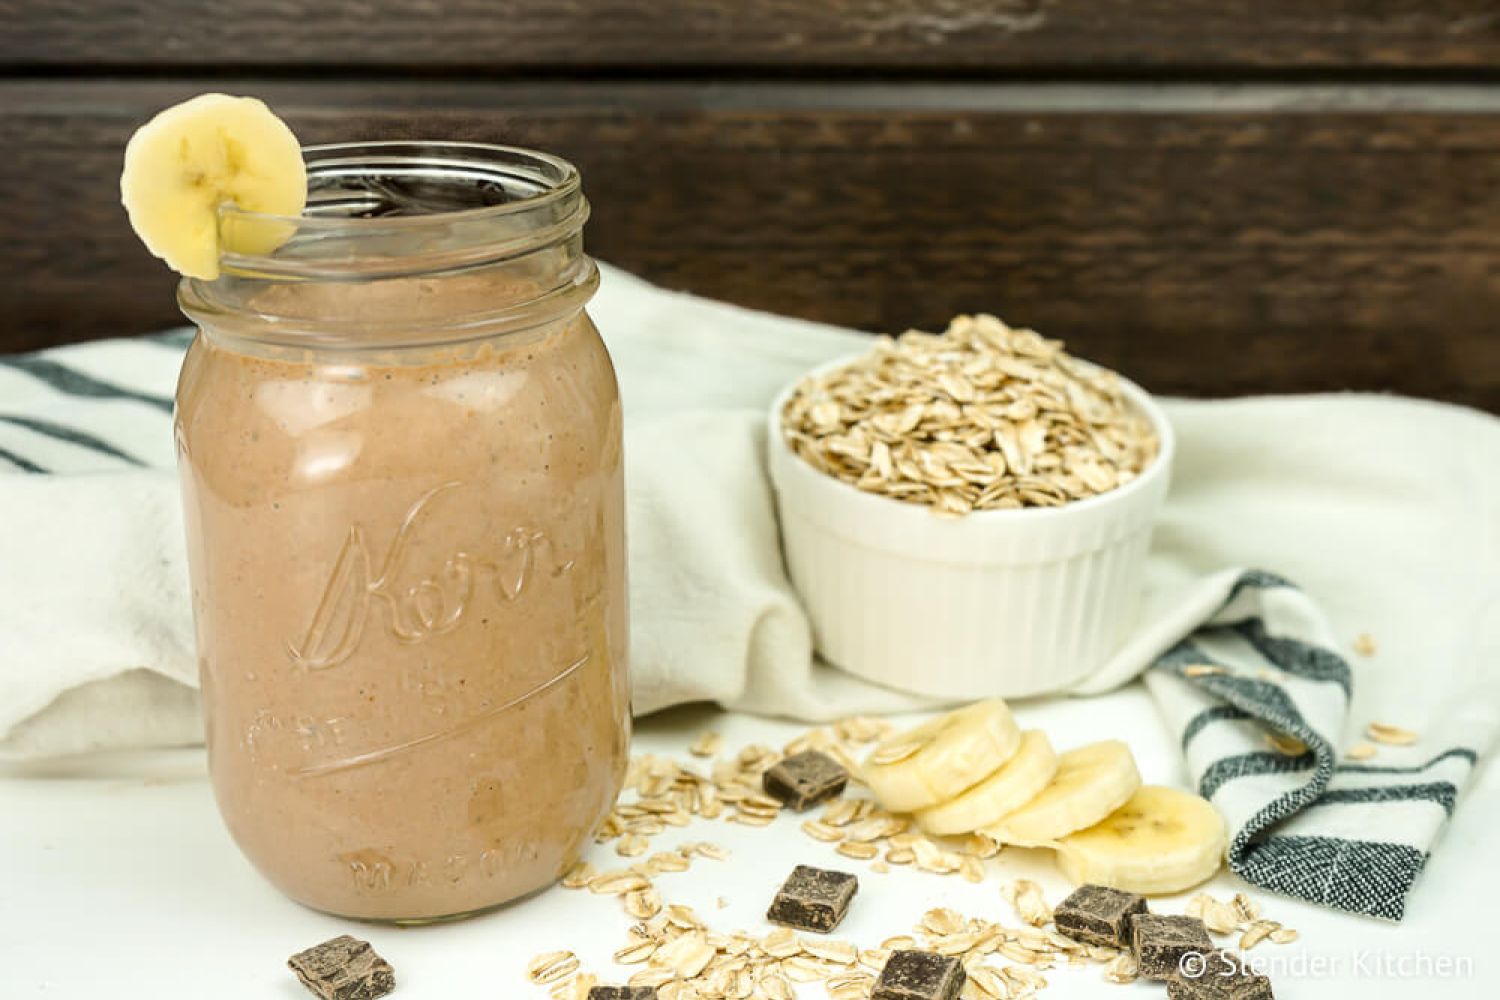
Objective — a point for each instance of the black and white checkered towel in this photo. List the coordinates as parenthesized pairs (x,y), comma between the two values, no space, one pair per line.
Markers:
(1351,835)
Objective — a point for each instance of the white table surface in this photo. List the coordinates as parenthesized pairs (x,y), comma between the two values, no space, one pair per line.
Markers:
(117,880)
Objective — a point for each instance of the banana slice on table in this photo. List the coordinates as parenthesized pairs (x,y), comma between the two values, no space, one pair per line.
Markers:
(193,157)
(1009,788)
(942,757)
(1162,840)
(1091,782)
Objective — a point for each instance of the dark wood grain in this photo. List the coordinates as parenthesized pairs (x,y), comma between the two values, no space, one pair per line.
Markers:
(947,36)
(1204,240)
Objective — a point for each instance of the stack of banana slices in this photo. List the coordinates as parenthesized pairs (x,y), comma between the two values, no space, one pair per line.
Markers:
(975,770)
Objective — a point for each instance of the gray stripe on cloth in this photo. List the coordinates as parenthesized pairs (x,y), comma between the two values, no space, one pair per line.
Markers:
(1251,765)
(1208,717)
(76,383)
(1444,793)
(1455,753)
(71,435)
(1295,656)
(24,464)
(1257,579)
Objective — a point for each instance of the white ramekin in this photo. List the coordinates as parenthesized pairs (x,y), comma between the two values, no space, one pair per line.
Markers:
(1004,603)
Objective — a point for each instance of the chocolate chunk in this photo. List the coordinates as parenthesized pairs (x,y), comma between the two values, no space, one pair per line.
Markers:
(1096,914)
(805,779)
(919,975)
(1160,942)
(1223,975)
(813,899)
(622,993)
(343,968)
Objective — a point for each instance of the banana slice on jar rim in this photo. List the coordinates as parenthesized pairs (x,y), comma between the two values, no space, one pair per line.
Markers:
(194,157)
(942,757)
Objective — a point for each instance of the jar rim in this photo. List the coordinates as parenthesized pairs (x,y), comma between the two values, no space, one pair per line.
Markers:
(351,204)
(404,210)
(325,155)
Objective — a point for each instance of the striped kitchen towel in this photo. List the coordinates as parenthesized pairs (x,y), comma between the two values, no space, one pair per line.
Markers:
(102,407)
(1260,699)
(96,640)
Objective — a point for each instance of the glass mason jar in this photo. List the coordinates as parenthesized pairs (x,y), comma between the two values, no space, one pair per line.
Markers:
(399,438)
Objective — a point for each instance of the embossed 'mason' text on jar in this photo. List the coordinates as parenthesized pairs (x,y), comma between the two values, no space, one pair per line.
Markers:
(399,436)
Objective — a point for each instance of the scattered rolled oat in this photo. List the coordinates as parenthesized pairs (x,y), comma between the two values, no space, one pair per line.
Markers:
(706,745)
(636,950)
(1361,751)
(1395,736)
(1031,906)
(858,851)
(578,876)
(643,903)
(1285,744)
(1122,969)
(704,849)
(822,831)
(1202,670)
(632,845)
(686,956)
(1257,932)
(1364,644)
(551,966)
(1218,916)
(1245,908)
(979,417)
(617,883)
(670,794)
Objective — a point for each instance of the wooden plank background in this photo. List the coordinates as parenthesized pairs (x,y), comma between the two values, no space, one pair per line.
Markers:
(1264,197)
(942,36)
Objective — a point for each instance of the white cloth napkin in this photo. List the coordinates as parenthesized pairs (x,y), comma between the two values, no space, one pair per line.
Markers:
(1387,510)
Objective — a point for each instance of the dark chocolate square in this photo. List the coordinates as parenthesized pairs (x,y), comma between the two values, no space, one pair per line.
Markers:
(805,779)
(1160,941)
(1096,914)
(343,968)
(919,975)
(1222,975)
(622,993)
(813,899)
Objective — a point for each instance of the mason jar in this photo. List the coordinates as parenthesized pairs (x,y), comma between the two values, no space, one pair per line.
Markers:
(399,440)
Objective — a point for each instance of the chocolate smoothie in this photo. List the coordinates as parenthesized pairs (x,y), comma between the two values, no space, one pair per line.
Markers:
(409,583)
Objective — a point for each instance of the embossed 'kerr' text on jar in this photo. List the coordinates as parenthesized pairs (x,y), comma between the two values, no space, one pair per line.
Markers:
(399,437)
